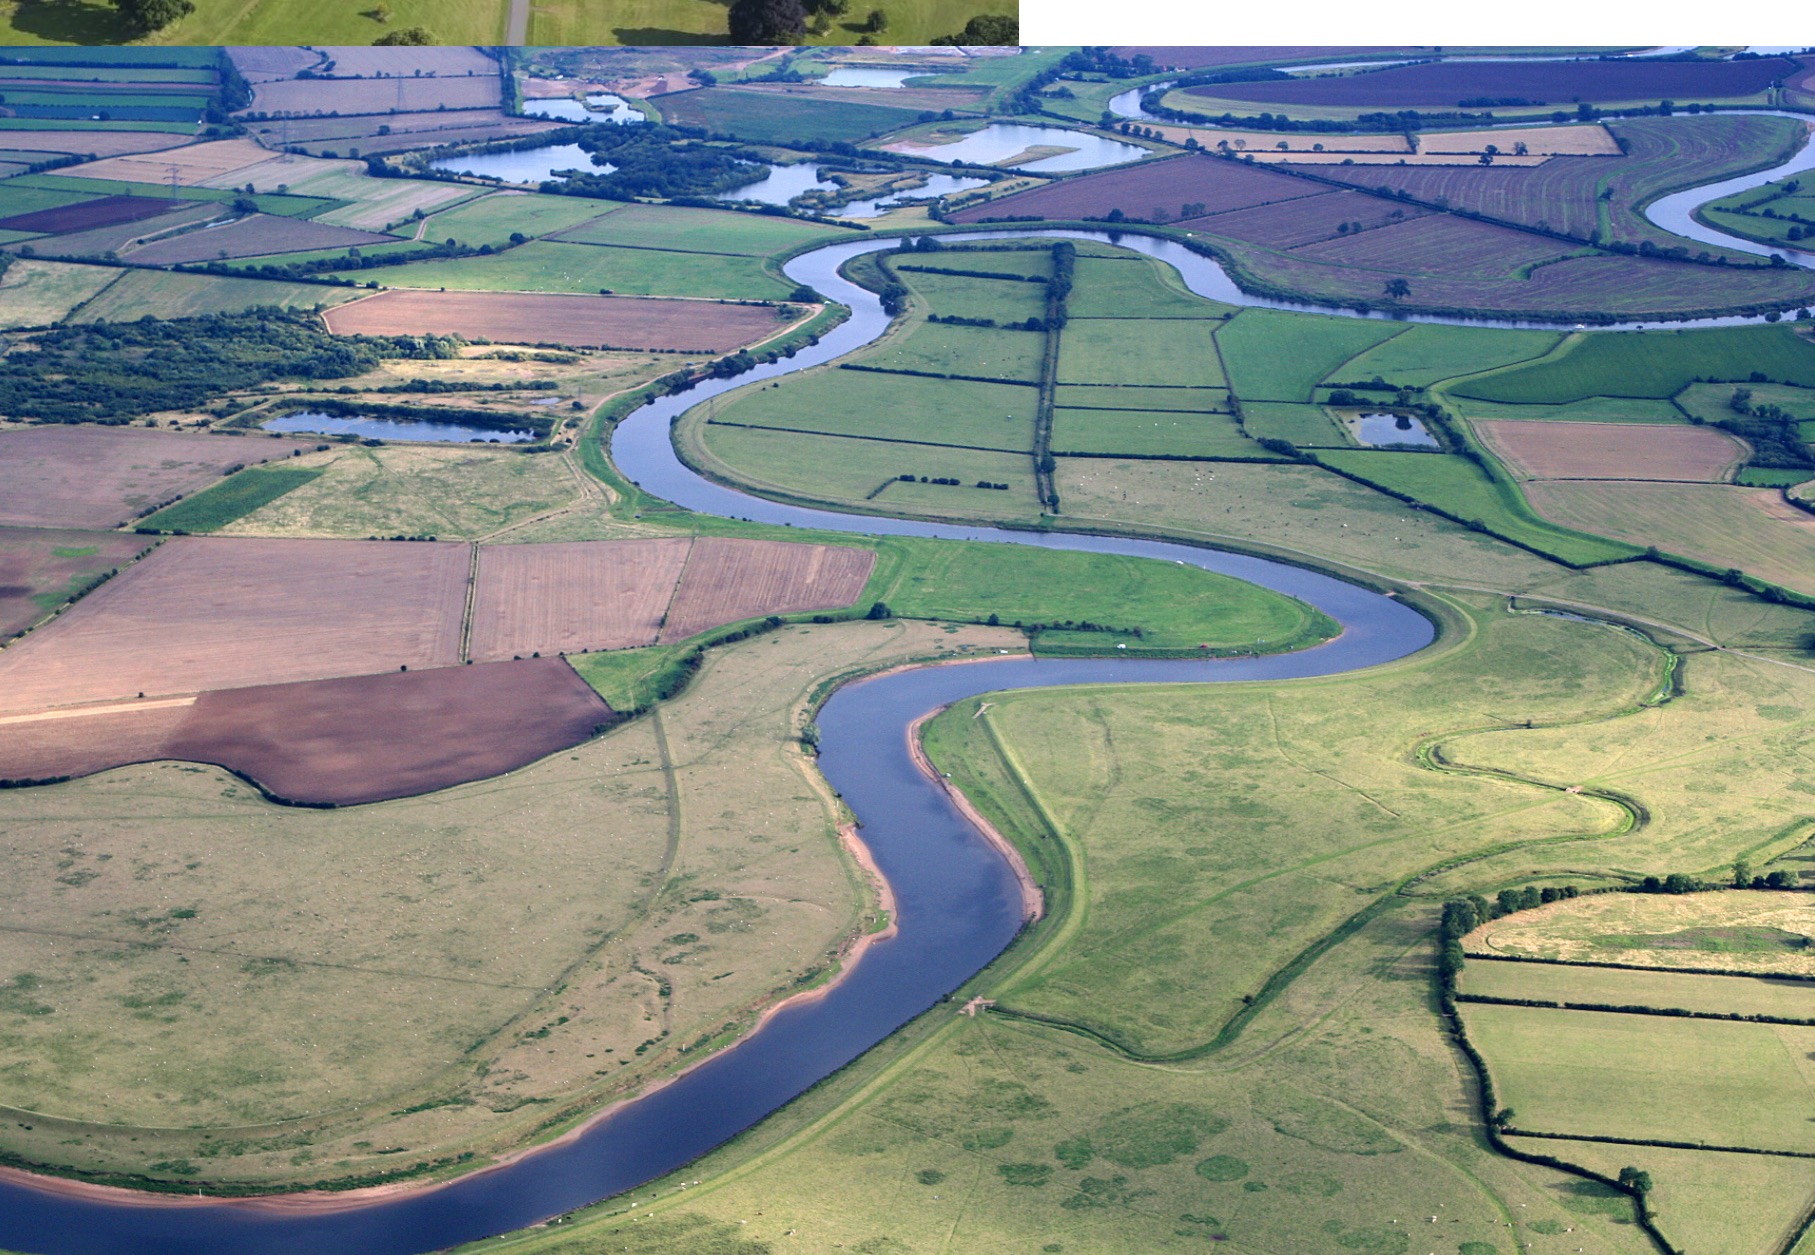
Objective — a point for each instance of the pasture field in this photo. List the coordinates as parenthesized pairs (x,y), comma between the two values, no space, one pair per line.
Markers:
(1308,426)
(1470,493)
(1613,451)
(1427,353)
(574,854)
(42,568)
(1663,990)
(1274,356)
(495,217)
(621,322)
(547,266)
(864,474)
(977,352)
(67,476)
(1202,435)
(1705,1204)
(220,613)
(1083,396)
(1756,931)
(38,293)
(1029,262)
(165,294)
(1589,1072)
(1125,287)
(1649,410)
(454,493)
(232,499)
(765,117)
(688,230)
(1177,609)
(962,296)
(1177,352)
(902,411)
(1655,364)
(376,204)
(1711,402)
(1751,529)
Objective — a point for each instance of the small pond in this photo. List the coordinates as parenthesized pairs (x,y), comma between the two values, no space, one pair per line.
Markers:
(597,108)
(1001,140)
(870,76)
(369,428)
(936,185)
(781,185)
(531,165)
(1380,431)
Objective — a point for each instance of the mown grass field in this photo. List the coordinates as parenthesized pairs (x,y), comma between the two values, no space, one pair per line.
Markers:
(688,230)
(1274,356)
(231,499)
(904,410)
(1652,364)
(1173,352)
(496,218)
(548,266)
(1426,353)
(1663,990)
(38,293)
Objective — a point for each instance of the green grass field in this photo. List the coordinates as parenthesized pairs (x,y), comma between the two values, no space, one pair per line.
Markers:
(1712,402)
(1466,491)
(494,219)
(37,293)
(1308,426)
(766,117)
(1427,353)
(1274,356)
(1590,410)
(1664,990)
(168,294)
(1175,352)
(979,352)
(231,499)
(283,205)
(1652,364)
(1000,300)
(1155,435)
(688,230)
(546,266)
(1135,287)
(898,408)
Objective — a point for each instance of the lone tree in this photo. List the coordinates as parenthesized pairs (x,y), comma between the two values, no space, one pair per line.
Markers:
(1636,1180)
(1398,289)
(767,21)
(987,30)
(151,15)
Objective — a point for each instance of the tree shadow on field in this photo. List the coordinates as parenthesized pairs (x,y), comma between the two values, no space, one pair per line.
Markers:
(71,22)
(651,36)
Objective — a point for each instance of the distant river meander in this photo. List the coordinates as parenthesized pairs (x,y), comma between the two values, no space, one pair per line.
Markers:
(958,905)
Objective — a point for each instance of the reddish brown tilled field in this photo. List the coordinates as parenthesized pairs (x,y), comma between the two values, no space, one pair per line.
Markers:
(1563,83)
(38,566)
(103,211)
(92,143)
(625,322)
(1304,220)
(1213,182)
(369,738)
(729,579)
(340,742)
(39,747)
(572,596)
(208,613)
(1437,244)
(66,476)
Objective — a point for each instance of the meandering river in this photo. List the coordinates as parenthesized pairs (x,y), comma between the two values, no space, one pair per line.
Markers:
(957,901)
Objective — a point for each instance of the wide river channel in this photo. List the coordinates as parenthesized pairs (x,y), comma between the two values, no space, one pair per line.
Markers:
(957,903)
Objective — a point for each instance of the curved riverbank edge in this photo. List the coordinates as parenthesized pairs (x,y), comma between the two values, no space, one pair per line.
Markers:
(1033,900)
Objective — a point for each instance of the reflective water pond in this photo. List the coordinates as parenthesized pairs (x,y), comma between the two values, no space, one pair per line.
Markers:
(370,428)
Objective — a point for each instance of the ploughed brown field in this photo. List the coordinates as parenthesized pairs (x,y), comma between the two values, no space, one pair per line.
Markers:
(39,567)
(1552,450)
(729,579)
(1216,184)
(341,742)
(574,595)
(66,476)
(624,322)
(208,613)
(103,211)
(94,143)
